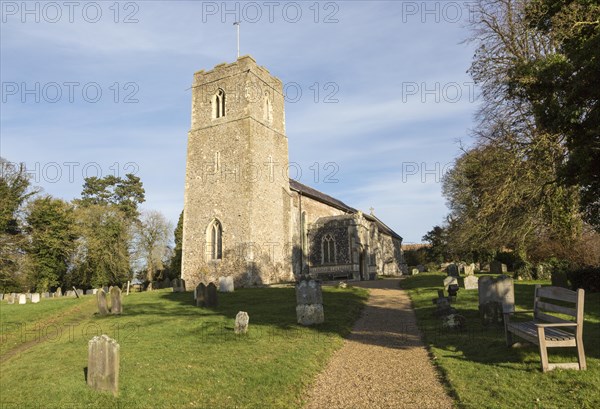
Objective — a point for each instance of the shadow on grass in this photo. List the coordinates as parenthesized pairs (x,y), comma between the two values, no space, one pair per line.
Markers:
(486,344)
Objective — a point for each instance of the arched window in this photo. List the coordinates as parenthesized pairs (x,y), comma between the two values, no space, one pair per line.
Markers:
(267,108)
(328,247)
(218,104)
(215,240)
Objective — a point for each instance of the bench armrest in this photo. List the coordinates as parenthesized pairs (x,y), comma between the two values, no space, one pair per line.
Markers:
(556,324)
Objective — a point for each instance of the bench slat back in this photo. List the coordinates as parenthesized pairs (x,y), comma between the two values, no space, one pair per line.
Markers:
(544,308)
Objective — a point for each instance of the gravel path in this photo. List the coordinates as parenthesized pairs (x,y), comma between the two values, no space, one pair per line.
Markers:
(383,363)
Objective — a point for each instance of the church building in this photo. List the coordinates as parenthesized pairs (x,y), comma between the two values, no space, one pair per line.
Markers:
(243,215)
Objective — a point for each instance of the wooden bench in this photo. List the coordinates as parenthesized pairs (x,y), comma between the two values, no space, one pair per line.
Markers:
(547,330)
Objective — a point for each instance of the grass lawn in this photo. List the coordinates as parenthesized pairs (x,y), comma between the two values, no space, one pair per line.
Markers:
(173,354)
(481,372)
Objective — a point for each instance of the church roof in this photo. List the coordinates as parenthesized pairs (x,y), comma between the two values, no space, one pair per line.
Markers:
(338,204)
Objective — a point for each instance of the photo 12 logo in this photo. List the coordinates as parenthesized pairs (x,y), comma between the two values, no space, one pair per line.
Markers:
(270,11)
(54,172)
(69,91)
(69,12)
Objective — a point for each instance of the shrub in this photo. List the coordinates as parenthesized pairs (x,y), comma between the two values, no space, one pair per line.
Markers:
(587,278)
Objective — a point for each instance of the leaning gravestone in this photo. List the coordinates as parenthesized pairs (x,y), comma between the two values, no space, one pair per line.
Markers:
(497,267)
(471,282)
(35,298)
(211,300)
(101,300)
(452,270)
(241,322)
(309,299)
(226,284)
(469,269)
(115,300)
(496,296)
(200,295)
(448,281)
(22,299)
(103,364)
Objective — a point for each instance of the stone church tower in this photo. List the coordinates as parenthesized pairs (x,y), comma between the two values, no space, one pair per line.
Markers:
(237,191)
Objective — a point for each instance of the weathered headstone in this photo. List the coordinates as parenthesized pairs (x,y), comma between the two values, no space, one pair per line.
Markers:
(309,314)
(45,295)
(28,295)
(309,292)
(496,295)
(469,269)
(178,285)
(35,298)
(448,281)
(166,283)
(241,322)
(89,292)
(80,292)
(454,321)
(200,295)
(10,298)
(309,299)
(452,270)
(497,267)
(58,292)
(22,299)
(1,296)
(103,364)
(211,300)
(69,293)
(115,300)
(471,282)
(226,284)
(101,300)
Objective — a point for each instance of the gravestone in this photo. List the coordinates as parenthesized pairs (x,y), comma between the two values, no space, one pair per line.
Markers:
(69,293)
(454,321)
(309,300)
(58,292)
(80,292)
(226,284)
(452,270)
(421,268)
(22,299)
(89,292)
(497,267)
(28,295)
(178,285)
(469,269)
(10,298)
(35,298)
(115,300)
(415,271)
(450,280)
(200,295)
(211,300)
(103,364)
(1,296)
(166,283)
(101,301)
(496,295)
(46,295)
(241,322)
(471,282)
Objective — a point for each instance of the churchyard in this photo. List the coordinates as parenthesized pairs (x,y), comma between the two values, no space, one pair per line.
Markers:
(173,354)
(481,371)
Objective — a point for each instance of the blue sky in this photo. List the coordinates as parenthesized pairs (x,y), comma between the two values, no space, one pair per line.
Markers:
(92,88)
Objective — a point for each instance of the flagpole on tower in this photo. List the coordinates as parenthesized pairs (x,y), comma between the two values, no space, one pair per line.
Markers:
(237,23)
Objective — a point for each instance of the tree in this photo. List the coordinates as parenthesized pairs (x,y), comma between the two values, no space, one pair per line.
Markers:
(102,249)
(438,240)
(15,190)
(562,88)
(176,260)
(152,243)
(51,228)
(124,194)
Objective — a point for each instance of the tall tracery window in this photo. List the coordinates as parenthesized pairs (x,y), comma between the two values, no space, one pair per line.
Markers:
(328,249)
(215,240)
(218,104)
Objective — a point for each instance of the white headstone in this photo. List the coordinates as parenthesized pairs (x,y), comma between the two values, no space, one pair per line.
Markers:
(471,282)
(35,298)
(226,284)
(22,299)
